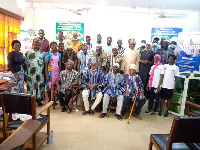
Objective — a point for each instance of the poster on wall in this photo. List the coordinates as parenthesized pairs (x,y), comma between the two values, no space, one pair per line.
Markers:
(189,47)
(27,36)
(170,34)
(68,28)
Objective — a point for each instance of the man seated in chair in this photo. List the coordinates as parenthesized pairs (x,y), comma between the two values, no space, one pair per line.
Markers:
(132,82)
(67,78)
(92,79)
(114,88)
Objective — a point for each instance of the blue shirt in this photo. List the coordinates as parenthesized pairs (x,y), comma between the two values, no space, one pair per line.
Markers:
(164,55)
(88,77)
(113,81)
(107,49)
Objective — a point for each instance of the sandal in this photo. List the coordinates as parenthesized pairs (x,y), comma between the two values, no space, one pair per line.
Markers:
(138,117)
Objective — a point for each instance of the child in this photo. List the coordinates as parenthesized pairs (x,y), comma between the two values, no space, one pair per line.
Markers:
(171,72)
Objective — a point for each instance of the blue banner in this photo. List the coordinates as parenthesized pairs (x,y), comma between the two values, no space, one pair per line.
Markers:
(188,63)
(170,34)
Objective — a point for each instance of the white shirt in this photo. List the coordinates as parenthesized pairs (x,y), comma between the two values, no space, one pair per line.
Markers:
(170,72)
(156,77)
(107,49)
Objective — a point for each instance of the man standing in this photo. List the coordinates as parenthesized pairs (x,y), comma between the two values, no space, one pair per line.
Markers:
(61,50)
(44,42)
(70,55)
(114,57)
(61,39)
(120,48)
(108,48)
(142,47)
(99,42)
(68,78)
(92,79)
(101,58)
(75,43)
(131,56)
(83,60)
(114,88)
(89,45)
(173,47)
(164,52)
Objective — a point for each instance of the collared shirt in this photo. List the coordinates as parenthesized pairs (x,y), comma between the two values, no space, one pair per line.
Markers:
(89,77)
(121,50)
(115,59)
(101,60)
(114,80)
(81,53)
(107,49)
(44,44)
(134,82)
(76,47)
(84,61)
(164,55)
(130,57)
(67,78)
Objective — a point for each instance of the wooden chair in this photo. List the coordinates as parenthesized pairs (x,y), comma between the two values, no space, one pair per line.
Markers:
(25,104)
(21,135)
(194,113)
(74,98)
(184,135)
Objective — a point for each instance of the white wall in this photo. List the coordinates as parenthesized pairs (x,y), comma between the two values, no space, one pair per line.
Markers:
(119,25)
(11,5)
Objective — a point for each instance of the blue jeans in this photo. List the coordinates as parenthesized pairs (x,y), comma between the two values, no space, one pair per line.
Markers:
(153,96)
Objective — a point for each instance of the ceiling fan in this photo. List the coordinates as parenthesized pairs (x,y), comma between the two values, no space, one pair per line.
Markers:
(74,10)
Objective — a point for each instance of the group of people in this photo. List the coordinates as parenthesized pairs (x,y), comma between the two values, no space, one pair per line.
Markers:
(104,72)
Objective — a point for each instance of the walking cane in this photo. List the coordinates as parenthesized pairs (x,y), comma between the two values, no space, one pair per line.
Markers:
(133,105)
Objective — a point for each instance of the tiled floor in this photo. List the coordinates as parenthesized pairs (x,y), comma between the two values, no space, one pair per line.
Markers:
(76,132)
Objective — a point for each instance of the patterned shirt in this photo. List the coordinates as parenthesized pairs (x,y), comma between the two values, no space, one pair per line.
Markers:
(121,50)
(67,78)
(114,81)
(84,62)
(115,59)
(164,55)
(101,60)
(134,82)
(89,77)
(73,57)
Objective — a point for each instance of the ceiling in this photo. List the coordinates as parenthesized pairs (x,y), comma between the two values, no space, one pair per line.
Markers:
(168,4)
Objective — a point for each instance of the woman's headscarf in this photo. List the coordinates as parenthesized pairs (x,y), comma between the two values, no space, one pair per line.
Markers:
(152,72)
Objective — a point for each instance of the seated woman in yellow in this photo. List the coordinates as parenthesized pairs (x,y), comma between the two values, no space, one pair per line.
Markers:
(75,43)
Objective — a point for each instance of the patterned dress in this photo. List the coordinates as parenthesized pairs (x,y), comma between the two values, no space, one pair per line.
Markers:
(34,70)
(53,69)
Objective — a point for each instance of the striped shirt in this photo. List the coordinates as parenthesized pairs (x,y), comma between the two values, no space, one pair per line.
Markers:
(89,77)
(114,81)
(164,55)
(133,82)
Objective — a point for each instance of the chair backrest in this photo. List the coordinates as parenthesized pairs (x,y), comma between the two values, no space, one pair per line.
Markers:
(18,103)
(185,129)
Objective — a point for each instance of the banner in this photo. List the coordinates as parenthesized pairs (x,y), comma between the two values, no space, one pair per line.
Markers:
(170,34)
(189,47)
(27,36)
(68,28)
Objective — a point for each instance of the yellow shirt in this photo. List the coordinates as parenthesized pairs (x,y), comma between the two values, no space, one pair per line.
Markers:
(75,47)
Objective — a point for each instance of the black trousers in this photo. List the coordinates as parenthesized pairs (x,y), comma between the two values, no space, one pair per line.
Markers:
(139,106)
(68,95)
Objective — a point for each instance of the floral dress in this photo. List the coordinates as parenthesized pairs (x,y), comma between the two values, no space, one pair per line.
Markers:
(34,70)
(53,69)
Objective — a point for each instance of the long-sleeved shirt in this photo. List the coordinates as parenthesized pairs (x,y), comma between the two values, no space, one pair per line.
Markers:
(130,57)
(15,61)
(89,77)
(114,80)
(134,82)
(44,44)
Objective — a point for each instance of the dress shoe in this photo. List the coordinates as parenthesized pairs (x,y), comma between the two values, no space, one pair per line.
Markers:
(166,114)
(119,117)
(85,112)
(160,113)
(103,115)
(91,112)
(63,109)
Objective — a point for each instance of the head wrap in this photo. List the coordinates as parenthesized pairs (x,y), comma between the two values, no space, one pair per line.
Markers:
(75,32)
(115,47)
(133,66)
(98,47)
(69,46)
(87,37)
(116,64)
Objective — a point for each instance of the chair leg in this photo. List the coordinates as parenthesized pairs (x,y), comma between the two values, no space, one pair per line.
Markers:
(150,144)
(54,101)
